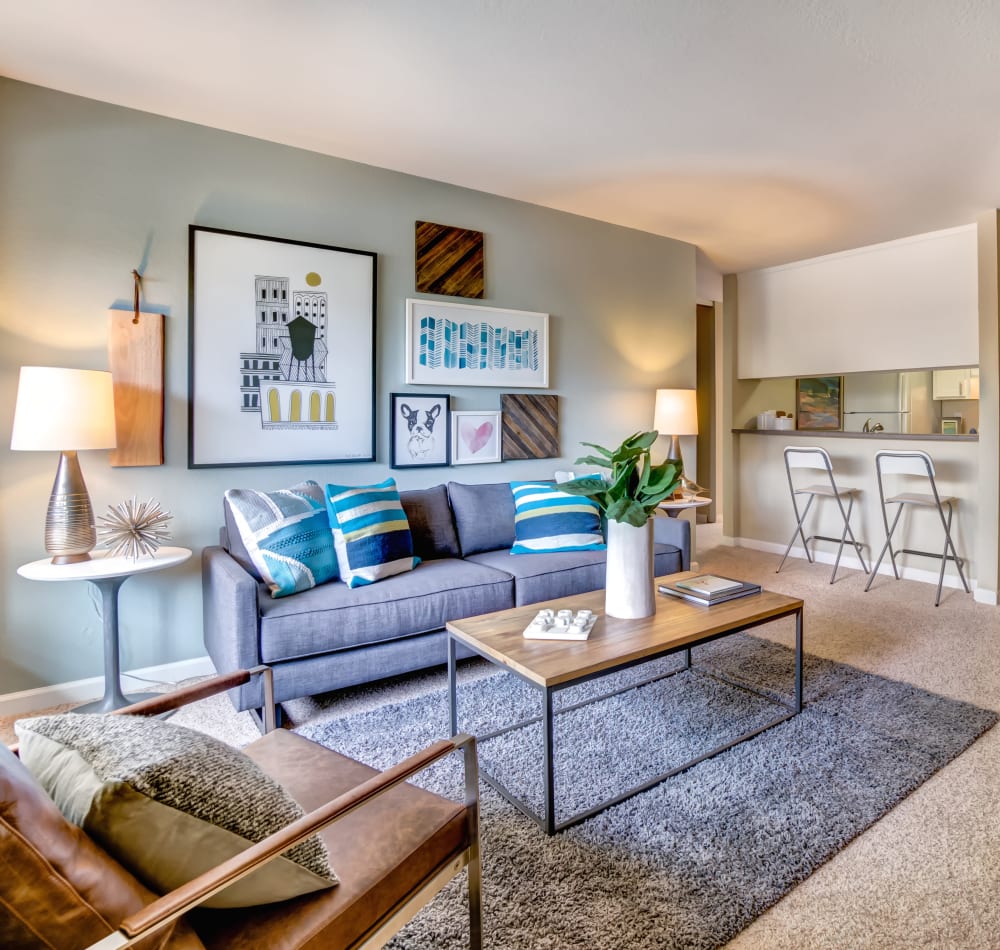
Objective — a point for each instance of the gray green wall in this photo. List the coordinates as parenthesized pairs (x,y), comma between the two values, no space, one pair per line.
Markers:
(89,191)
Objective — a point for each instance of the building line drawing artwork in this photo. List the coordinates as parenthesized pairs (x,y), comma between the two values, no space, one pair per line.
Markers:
(285,379)
(300,319)
(469,345)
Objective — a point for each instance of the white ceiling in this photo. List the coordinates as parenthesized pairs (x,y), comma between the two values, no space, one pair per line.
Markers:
(763,131)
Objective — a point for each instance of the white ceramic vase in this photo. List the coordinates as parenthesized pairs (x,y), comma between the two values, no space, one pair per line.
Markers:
(628,586)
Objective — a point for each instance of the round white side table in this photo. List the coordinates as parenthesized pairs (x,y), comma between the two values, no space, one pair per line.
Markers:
(674,508)
(107,574)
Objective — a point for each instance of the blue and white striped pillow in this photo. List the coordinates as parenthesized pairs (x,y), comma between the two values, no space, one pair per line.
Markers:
(287,536)
(371,533)
(547,520)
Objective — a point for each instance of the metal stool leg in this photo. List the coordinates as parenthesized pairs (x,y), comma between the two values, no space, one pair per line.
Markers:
(848,533)
(886,547)
(798,531)
(948,543)
(854,541)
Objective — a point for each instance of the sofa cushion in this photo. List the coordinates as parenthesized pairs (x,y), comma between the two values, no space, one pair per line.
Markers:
(548,520)
(58,888)
(334,617)
(170,802)
(484,516)
(563,574)
(431,525)
(284,536)
(370,532)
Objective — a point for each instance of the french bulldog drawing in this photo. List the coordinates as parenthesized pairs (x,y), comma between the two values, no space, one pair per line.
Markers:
(421,441)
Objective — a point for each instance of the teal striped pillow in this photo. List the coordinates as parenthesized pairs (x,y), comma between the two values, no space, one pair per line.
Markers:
(287,535)
(547,520)
(371,533)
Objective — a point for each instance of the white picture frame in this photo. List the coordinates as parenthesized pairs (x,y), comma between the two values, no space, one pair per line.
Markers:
(475,436)
(505,348)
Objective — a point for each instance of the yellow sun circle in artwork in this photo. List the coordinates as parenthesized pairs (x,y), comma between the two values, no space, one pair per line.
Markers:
(313,279)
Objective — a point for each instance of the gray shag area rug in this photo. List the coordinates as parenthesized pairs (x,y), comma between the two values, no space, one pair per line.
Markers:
(691,862)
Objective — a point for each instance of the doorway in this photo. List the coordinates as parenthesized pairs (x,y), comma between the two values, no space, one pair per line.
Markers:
(707,458)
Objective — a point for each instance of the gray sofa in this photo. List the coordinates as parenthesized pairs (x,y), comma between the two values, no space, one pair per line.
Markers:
(334,636)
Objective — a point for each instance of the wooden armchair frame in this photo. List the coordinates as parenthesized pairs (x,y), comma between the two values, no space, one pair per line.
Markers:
(187,897)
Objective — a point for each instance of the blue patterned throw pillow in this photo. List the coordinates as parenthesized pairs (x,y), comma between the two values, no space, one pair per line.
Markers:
(547,520)
(287,535)
(371,533)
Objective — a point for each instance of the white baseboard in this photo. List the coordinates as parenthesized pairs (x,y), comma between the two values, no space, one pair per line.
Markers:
(78,691)
(851,561)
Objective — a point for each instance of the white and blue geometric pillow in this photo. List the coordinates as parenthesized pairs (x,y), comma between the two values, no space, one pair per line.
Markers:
(371,533)
(548,520)
(287,535)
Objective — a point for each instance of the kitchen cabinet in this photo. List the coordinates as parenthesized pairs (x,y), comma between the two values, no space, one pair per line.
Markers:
(955,383)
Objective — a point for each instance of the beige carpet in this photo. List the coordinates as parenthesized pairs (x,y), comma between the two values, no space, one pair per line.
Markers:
(927,874)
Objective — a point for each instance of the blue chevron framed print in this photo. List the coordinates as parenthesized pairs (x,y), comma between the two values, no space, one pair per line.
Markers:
(450,344)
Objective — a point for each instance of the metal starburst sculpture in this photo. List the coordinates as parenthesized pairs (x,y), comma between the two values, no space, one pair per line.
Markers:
(133,529)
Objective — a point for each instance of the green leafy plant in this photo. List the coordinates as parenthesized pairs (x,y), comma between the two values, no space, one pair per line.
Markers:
(635,486)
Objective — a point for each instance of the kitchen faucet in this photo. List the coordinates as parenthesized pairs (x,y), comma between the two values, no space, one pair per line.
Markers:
(869,426)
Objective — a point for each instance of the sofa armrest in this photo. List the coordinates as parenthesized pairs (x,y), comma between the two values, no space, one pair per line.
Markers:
(675,531)
(230,613)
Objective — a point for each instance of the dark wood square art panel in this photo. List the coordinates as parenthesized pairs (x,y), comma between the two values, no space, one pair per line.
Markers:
(449,260)
(530,426)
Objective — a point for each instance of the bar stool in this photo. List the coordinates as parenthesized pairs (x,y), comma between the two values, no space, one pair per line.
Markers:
(919,465)
(817,459)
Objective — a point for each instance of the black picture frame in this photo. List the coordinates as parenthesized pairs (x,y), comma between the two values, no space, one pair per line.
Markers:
(281,344)
(420,430)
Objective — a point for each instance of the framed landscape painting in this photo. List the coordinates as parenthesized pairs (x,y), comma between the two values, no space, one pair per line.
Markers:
(450,344)
(819,402)
(282,351)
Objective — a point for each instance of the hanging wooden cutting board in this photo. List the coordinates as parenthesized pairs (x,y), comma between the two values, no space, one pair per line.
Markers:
(135,355)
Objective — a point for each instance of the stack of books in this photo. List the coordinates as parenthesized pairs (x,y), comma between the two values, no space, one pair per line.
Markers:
(708,589)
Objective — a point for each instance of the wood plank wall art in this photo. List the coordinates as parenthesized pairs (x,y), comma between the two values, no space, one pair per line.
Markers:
(530,426)
(449,260)
(135,355)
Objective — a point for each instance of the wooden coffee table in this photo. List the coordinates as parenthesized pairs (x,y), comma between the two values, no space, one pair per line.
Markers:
(553,665)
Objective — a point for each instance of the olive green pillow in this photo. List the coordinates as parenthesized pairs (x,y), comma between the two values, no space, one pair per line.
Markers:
(170,803)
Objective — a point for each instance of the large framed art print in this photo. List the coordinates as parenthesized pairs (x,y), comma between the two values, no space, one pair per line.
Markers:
(282,351)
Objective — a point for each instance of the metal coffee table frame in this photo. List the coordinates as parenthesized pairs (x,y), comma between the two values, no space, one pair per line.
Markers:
(547,822)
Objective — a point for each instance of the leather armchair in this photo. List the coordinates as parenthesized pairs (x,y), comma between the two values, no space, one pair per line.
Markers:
(394,846)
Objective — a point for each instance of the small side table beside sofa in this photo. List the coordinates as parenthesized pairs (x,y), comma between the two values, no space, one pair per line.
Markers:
(107,574)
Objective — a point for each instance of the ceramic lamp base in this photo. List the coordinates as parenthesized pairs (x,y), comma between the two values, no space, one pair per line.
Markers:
(70,534)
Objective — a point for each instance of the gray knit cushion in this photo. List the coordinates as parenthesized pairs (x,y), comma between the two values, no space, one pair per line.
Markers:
(170,802)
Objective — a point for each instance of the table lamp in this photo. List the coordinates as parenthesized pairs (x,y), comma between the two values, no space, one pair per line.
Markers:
(676,414)
(65,410)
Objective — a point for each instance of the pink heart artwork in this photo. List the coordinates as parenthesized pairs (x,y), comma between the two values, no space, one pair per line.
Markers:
(475,437)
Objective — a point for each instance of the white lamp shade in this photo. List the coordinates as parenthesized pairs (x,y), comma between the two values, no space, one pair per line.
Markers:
(63,410)
(676,412)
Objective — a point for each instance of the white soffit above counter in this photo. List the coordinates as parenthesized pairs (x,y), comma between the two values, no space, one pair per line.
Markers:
(897,305)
